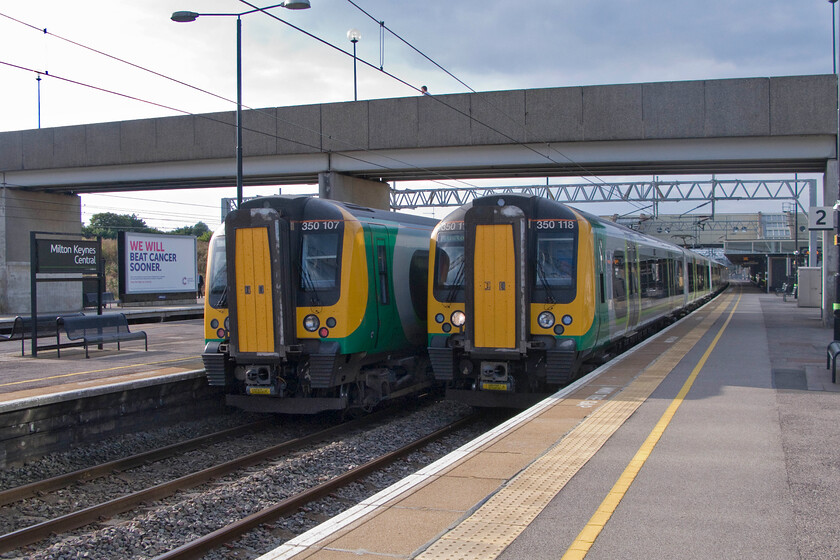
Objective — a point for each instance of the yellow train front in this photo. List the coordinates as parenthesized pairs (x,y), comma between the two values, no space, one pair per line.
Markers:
(316,305)
(522,290)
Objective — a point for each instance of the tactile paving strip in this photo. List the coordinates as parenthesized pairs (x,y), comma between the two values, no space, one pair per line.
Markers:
(491,528)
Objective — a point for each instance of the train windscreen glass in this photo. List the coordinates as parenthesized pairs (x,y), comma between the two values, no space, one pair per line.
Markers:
(449,266)
(217,281)
(555,274)
(319,262)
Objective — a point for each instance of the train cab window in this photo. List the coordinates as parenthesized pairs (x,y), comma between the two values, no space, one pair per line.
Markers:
(449,266)
(555,274)
(320,270)
(217,278)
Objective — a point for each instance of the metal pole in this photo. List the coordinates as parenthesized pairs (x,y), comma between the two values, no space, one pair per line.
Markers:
(833,38)
(836,305)
(39,100)
(355,90)
(238,111)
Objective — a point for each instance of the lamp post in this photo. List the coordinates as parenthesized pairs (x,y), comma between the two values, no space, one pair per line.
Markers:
(186,17)
(354,37)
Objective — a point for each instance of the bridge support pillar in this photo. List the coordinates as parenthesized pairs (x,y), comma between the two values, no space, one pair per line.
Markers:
(20,213)
(830,258)
(364,192)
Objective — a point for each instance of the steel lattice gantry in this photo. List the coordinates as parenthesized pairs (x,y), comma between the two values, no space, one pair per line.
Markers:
(654,192)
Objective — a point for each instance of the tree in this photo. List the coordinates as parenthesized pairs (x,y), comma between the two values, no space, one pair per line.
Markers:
(197,230)
(108,225)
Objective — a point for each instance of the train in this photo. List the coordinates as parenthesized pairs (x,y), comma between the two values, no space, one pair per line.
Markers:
(314,305)
(523,291)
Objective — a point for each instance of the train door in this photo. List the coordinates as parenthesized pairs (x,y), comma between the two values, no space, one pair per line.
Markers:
(382,283)
(494,286)
(254,320)
(619,289)
(633,291)
(495,281)
(258,286)
(602,267)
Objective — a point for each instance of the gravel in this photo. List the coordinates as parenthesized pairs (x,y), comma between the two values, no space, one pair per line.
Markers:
(156,528)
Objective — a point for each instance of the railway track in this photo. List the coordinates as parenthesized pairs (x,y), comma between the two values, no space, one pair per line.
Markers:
(53,532)
(201,545)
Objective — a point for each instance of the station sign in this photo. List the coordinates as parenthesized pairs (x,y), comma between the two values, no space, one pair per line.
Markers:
(821,218)
(67,256)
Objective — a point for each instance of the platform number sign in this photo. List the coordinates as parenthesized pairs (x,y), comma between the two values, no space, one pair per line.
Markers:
(821,217)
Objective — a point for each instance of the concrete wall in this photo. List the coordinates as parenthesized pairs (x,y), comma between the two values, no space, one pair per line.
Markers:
(373,194)
(20,213)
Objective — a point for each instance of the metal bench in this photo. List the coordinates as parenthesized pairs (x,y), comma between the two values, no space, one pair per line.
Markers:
(46,326)
(107,299)
(831,358)
(98,329)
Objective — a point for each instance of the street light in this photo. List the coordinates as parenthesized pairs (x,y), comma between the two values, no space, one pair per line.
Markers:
(354,37)
(186,17)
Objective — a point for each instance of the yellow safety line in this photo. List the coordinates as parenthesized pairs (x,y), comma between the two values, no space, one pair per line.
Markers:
(584,541)
(97,371)
(492,527)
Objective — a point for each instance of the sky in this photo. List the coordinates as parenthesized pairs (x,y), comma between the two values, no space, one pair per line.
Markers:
(115,60)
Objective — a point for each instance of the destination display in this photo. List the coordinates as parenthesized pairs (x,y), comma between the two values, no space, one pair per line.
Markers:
(158,263)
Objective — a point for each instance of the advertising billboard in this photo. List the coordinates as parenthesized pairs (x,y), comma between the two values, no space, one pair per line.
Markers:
(157,264)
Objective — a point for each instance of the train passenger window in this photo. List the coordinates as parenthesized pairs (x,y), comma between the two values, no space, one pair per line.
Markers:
(691,273)
(556,275)
(382,272)
(680,277)
(449,266)
(319,262)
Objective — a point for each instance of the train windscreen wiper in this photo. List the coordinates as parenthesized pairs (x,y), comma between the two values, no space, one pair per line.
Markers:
(549,294)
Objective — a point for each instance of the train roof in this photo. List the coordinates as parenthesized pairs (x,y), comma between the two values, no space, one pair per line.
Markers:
(296,204)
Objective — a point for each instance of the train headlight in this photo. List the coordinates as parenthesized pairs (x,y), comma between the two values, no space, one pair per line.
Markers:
(214,324)
(458,318)
(566,320)
(546,319)
(311,323)
(439,318)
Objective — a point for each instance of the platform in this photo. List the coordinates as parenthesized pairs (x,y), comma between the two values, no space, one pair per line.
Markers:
(718,438)
(175,347)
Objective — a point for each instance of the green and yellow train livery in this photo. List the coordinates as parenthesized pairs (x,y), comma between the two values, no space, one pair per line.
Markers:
(316,305)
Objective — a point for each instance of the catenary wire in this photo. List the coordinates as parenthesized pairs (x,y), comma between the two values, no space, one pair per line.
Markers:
(261,132)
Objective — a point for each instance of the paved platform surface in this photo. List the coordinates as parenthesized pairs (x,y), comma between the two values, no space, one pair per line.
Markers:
(719,438)
(174,347)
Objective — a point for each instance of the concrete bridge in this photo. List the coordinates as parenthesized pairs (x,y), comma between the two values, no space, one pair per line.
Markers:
(751,125)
